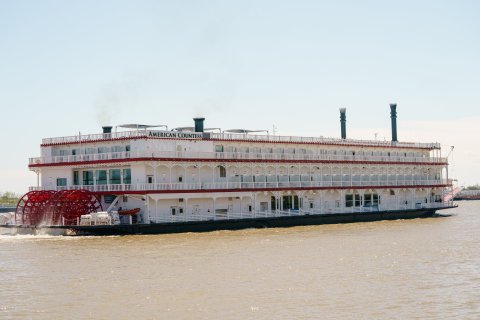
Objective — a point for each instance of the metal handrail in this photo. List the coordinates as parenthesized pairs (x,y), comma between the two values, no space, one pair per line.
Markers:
(242,137)
(244,185)
(230,156)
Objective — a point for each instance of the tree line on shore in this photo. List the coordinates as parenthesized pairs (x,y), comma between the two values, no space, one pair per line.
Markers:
(474,187)
(9,198)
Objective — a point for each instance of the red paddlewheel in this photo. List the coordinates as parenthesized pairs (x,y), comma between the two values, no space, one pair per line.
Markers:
(55,207)
(31,207)
(66,206)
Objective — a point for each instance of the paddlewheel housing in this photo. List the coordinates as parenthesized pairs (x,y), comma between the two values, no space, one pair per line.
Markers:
(31,207)
(55,207)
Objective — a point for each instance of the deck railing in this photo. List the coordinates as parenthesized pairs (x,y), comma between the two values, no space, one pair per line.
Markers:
(203,216)
(261,156)
(241,137)
(186,186)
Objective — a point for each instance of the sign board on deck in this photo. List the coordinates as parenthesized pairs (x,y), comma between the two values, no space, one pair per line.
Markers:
(175,134)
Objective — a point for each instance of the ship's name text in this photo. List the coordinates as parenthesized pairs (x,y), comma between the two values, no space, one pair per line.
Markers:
(173,134)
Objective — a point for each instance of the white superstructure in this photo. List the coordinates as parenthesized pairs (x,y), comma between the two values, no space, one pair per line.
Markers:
(187,175)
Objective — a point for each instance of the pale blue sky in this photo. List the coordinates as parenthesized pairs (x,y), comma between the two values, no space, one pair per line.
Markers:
(70,66)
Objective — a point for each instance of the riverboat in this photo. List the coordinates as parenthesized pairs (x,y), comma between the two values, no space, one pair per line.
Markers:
(192,179)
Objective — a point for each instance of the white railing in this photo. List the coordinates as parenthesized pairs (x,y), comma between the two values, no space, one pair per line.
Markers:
(412,205)
(242,137)
(231,156)
(185,186)
(321,140)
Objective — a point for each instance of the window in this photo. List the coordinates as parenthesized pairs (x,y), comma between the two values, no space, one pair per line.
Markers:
(223,172)
(358,200)
(61,182)
(273,203)
(290,202)
(352,200)
(115,176)
(101,176)
(127,148)
(76,178)
(87,178)
(127,176)
(149,179)
(349,200)
(218,148)
(371,200)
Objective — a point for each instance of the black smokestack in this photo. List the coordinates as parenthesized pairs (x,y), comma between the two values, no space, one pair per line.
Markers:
(107,129)
(198,124)
(343,122)
(393,115)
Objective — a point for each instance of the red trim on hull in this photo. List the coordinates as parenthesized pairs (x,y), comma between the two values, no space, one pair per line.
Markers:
(267,189)
(237,140)
(74,163)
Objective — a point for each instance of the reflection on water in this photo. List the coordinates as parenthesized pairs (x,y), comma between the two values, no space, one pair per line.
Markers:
(423,268)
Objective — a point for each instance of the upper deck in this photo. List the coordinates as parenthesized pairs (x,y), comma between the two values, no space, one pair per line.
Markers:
(250,138)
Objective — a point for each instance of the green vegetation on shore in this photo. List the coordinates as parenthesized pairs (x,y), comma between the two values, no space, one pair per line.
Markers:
(8,198)
(474,187)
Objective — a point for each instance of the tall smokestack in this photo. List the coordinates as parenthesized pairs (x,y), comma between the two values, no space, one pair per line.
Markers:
(343,122)
(393,115)
(198,124)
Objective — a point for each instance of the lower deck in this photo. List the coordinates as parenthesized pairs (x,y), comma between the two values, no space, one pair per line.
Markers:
(227,224)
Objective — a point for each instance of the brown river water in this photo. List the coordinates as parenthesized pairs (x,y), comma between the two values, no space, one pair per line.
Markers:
(404,269)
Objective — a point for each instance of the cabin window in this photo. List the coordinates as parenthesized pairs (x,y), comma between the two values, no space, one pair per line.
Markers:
(218,148)
(149,179)
(273,203)
(127,148)
(115,176)
(87,178)
(64,152)
(349,200)
(101,176)
(371,200)
(223,172)
(61,182)
(76,180)
(352,200)
(290,202)
(127,176)
(103,150)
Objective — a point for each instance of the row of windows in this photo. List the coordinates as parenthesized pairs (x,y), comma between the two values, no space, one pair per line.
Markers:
(355,200)
(221,148)
(99,177)
(73,152)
